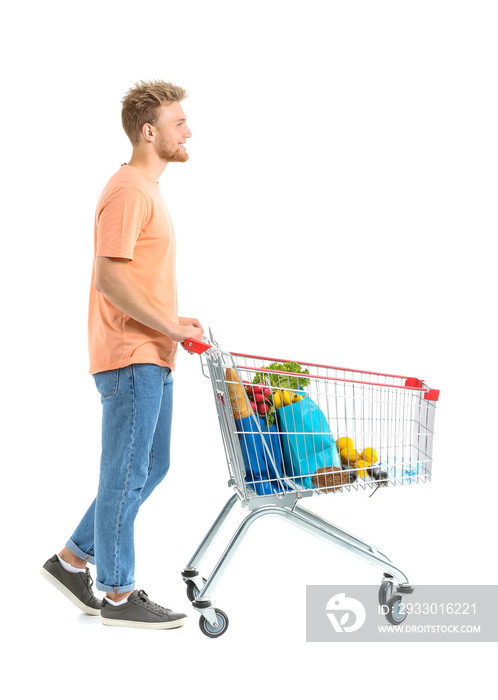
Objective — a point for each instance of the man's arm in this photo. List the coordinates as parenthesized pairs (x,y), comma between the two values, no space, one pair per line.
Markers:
(113,281)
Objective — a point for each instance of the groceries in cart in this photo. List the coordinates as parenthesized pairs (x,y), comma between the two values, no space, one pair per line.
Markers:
(406,470)
(285,453)
(259,441)
(308,446)
(285,437)
(360,464)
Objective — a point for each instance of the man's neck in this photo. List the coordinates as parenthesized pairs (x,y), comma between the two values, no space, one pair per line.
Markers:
(149,166)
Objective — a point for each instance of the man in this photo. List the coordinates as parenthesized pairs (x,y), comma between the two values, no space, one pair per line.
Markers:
(134,330)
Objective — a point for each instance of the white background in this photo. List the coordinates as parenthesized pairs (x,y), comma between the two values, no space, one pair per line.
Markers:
(339,206)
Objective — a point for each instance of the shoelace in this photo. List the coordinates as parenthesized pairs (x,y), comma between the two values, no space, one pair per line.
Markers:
(89,583)
(154,607)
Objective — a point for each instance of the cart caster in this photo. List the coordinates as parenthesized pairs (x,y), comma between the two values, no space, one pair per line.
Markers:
(386,591)
(209,629)
(390,602)
(192,590)
(393,614)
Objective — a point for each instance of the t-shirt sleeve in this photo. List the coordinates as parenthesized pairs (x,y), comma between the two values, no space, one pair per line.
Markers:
(120,221)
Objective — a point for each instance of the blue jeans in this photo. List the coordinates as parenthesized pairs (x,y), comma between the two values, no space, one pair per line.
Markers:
(137,406)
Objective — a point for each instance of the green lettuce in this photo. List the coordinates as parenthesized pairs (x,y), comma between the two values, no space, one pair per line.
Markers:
(280,381)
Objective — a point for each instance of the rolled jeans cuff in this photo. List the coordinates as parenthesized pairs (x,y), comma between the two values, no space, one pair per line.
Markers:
(115,589)
(79,552)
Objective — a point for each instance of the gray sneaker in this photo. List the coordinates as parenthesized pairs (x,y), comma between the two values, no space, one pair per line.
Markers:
(139,611)
(77,587)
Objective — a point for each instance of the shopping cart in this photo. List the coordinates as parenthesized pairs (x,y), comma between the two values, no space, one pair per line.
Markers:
(319,430)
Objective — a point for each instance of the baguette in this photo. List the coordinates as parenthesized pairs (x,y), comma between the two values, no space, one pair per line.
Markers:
(238,398)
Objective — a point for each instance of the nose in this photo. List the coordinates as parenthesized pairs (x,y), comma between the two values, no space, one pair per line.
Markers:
(188,133)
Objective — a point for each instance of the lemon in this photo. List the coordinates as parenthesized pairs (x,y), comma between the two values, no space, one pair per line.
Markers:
(369,455)
(343,443)
(361,468)
(349,456)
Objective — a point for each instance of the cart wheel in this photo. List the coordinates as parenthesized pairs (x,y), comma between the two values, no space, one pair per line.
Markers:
(192,590)
(393,615)
(209,630)
(385,591)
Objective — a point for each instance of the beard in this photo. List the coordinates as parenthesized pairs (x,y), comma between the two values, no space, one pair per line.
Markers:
(172,154)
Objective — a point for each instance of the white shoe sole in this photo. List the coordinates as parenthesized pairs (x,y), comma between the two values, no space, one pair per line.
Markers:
(144,625)
(62,588)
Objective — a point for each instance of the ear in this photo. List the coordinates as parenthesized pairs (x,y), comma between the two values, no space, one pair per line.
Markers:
(148,132)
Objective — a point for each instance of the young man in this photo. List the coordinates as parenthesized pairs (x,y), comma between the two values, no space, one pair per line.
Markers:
(134,330)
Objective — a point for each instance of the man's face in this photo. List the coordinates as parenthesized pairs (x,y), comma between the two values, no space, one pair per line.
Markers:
(171,134)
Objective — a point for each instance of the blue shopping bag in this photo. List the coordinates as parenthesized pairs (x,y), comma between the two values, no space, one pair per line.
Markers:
(261,474)
(307,442)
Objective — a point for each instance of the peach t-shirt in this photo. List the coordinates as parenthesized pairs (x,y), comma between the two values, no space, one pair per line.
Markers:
(132,222)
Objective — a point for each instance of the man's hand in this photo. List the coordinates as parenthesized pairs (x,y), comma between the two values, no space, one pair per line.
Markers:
(184,321)
(192,328)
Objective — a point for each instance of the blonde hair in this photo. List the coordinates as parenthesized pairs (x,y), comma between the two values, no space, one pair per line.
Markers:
(141,105)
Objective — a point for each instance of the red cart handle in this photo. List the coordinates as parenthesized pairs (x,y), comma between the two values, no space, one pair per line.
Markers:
(197,346)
